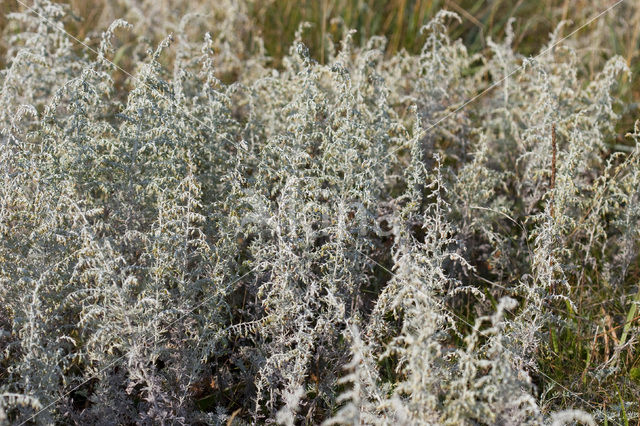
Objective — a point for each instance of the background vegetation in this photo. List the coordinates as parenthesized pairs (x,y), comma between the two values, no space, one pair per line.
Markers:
(275,22)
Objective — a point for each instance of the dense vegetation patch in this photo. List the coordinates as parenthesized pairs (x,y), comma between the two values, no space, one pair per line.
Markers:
(206,238)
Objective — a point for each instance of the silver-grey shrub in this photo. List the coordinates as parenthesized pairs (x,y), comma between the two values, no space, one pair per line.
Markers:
(300,245)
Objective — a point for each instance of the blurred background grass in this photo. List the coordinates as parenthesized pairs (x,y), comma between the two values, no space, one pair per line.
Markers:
(398,20)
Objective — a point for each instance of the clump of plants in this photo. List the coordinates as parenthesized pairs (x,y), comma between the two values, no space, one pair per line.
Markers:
(208,239)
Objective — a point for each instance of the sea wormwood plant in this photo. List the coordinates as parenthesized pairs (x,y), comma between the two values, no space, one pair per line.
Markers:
(216,240)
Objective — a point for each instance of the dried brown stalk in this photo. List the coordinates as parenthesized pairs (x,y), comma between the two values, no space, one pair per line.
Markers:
(553,166)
